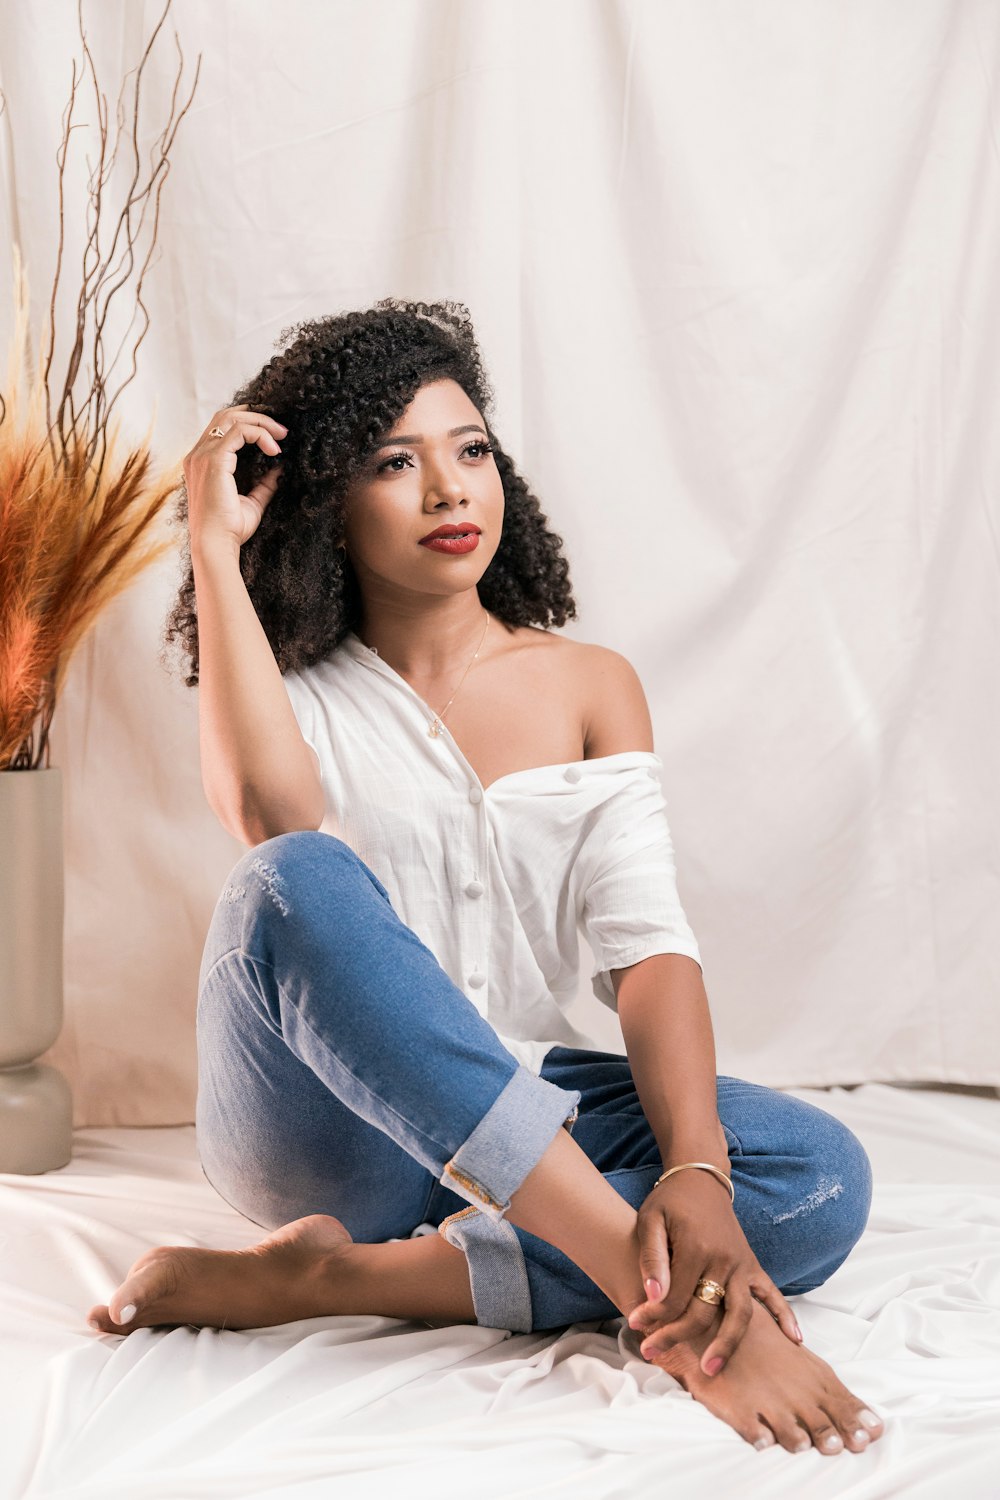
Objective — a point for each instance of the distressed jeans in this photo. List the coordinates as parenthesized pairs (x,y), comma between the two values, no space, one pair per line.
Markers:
(342,1072)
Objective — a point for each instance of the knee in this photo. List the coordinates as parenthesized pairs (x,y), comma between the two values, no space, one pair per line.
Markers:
(270,872)
(829,1205)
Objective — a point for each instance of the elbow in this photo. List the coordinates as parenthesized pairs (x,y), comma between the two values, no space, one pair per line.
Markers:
(256,824)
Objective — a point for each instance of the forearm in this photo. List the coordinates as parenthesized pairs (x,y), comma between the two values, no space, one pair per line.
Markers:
(665,1021)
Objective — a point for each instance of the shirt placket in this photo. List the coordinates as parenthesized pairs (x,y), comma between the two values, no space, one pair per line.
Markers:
(475,915)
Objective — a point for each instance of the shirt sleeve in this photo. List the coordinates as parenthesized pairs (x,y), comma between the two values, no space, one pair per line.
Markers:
(303,700)
(628,906)
(303,707)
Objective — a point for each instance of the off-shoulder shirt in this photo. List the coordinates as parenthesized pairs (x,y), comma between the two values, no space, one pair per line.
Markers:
(500,881)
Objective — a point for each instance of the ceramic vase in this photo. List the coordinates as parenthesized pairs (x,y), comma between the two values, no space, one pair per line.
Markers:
(36,1105)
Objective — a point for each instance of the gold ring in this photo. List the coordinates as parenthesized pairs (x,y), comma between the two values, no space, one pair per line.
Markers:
(216,432)
(709,1291)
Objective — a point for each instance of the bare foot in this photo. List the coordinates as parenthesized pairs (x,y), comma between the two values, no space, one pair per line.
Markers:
(291,1274)
(772,1389)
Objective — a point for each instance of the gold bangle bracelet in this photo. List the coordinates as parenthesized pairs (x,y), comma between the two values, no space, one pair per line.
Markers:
(708,1167)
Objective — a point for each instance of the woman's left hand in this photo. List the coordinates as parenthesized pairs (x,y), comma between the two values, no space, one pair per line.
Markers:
(687,1230)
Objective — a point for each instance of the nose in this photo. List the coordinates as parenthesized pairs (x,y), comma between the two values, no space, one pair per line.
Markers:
(451,491)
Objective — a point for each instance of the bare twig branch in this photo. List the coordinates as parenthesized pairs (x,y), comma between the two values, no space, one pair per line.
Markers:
(71,518)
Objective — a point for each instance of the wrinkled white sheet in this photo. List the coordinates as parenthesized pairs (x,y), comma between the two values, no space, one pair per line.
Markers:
(378,1406)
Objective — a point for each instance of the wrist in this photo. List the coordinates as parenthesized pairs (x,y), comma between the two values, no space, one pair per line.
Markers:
(697,1169)
(208,548)
(708,1144)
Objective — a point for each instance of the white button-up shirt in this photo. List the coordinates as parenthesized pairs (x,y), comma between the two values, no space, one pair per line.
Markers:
(499,882)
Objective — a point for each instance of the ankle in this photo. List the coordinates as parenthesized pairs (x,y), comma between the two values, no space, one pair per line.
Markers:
(617,1271)
(344,1279)
(425,1278)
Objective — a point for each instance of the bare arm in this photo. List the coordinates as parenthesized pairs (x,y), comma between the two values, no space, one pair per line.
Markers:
(663,1010)
(688,1228)
(662,1004)
(260,777)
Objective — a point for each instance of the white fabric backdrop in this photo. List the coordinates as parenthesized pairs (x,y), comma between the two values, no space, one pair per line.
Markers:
(734,274)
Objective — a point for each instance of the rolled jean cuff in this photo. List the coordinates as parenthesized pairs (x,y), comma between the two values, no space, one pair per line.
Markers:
(510,1139)
(498,1278)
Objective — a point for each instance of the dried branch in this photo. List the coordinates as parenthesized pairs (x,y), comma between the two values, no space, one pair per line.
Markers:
(74,521)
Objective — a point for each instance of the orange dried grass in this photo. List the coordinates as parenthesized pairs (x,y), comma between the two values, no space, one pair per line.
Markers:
(72,516)
(69,534)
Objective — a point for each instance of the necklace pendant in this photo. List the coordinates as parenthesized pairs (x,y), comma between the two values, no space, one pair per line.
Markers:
(435,728)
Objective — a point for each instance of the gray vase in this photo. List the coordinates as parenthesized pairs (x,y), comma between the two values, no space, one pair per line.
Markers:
(36,1106)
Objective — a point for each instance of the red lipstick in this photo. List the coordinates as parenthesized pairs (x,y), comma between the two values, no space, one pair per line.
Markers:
(452,538)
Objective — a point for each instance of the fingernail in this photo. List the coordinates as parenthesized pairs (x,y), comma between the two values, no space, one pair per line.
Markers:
(282,426)
(714,1366)
(868,1418)
(127,1313)
(654,1289)
(798,1333)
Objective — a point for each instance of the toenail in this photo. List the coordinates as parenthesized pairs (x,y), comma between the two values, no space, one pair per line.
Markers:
(127,1313)
(869,1418)
(860,1435)
(831,1441)
(766,1440)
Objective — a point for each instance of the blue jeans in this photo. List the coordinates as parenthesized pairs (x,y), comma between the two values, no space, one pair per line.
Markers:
(341,1071)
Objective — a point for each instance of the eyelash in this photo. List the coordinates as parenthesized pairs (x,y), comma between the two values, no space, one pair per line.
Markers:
(404,453)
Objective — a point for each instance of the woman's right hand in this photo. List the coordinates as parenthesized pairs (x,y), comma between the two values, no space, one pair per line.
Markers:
(216,509)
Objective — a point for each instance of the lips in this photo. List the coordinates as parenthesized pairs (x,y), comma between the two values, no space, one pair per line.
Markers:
(450,531)
(456,545)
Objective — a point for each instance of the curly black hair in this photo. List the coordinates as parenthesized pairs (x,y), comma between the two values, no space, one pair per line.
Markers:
(340,386)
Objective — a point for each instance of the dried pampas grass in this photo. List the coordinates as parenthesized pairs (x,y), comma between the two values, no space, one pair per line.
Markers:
(75,518)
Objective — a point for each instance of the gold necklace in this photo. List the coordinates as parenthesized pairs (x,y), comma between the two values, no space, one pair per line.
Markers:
(437,723)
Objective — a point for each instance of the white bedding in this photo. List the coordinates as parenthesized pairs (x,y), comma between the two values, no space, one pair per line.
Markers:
(377,1406)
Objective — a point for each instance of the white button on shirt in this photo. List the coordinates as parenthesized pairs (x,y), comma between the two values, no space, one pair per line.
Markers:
(501,893)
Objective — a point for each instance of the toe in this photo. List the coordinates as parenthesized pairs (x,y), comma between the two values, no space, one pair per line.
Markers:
(855,1437)
(792,1436)
(858,1426)
(864,1417)
(151,1280)
(101,1322)
(823,1431)
(760,1436)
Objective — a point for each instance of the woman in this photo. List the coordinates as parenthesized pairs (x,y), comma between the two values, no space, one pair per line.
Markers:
(393,729)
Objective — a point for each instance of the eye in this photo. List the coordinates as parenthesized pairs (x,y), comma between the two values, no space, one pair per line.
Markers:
(404,453)
(392,459)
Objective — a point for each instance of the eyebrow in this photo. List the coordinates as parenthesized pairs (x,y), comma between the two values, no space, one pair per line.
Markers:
(415,438)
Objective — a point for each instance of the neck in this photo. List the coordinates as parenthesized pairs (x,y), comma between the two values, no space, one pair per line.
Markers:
(429,648)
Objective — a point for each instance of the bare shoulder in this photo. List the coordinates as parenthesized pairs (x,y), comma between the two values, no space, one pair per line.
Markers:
(615,711)
(611,700)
